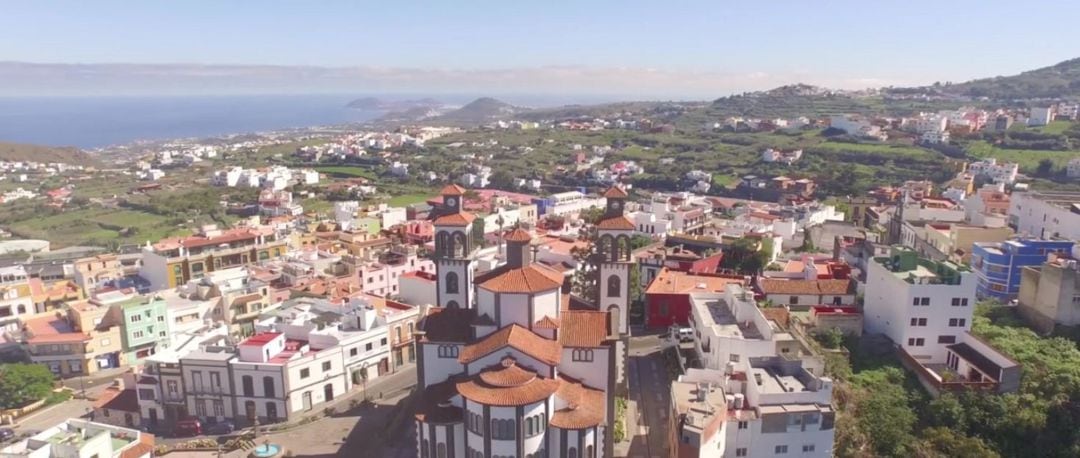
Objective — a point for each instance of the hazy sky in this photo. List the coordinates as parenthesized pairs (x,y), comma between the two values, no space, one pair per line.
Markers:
(731,45)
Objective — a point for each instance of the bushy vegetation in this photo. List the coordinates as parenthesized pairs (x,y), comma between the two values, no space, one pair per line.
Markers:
(22,384)
(884,412)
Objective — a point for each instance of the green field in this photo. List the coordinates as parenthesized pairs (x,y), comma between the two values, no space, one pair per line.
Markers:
(97,226)
(1055,127)
(347,171)
(877,149)
(1028,159)
(408,199)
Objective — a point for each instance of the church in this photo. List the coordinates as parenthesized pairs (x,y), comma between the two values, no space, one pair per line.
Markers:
(510,363)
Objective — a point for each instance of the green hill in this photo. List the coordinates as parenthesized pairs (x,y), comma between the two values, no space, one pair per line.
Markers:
(477,112)
(1060,81)
(38,153)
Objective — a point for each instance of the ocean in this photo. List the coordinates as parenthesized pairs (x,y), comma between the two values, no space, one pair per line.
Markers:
(92,122)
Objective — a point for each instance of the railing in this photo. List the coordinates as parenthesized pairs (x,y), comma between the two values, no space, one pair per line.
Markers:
(202,390)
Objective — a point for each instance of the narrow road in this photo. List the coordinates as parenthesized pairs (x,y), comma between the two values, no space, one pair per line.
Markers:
(651,392)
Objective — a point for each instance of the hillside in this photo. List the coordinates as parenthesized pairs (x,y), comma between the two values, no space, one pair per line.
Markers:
(477,112)
(37,153)
(1056,81)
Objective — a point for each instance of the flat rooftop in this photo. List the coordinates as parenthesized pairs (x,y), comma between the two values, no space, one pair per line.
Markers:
(723,320)
(772,382)
(700,413)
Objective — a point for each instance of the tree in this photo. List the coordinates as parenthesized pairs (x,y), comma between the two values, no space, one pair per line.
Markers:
(591,215)
(1045,168)
(502,179)
(21,384)
(944,442)
(586,280)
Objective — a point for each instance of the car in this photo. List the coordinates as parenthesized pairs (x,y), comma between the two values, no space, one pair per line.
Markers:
(221,428)
(684,334)
(187,427)
(6,434)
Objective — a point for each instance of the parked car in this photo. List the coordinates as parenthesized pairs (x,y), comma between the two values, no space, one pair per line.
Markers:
(187,427)
(684,334)
(6,434)
(221,428)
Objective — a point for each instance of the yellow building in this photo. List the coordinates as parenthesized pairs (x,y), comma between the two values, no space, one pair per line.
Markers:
(93,271)
(173,262)
(956,240)
(81,342)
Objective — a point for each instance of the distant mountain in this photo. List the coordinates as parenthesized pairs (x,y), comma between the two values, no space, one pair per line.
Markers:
(1060,81)
(806,100)
(376,104)
(480,111)
(45,154)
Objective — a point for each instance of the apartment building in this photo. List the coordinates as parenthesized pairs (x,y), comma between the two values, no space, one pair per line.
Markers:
(173,262)
(240,297)
(730,328)
(85,338)
(1045,215)
(763,406)
(667,299)
(801,293)
(145,327)
(925,307)
(1050,294)
(998,265)
(569,204)
(383,277)
(95,271)
(996,172)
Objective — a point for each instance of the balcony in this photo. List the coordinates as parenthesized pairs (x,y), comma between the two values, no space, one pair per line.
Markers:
(207,390)
(174,397)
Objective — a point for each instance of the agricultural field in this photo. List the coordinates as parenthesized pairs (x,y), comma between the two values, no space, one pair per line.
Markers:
(346,171)
(1028,159)
(97,226)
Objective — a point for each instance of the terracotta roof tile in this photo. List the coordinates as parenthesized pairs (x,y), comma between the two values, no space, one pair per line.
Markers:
(447,325)
(518,235)
(615,192)
(516,386)
(583,328)
(452,190)
(533,278)
(676,282)
(584,406)
(616,223)
(116,399)
(805,287)
(455,219)
(516,337)
(547,322)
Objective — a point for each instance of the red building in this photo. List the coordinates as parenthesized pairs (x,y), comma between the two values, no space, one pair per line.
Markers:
(667,300)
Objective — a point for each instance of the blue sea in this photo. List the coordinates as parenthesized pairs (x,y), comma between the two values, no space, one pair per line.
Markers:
(91,122)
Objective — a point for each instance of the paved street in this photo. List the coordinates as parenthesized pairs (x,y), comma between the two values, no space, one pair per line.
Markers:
(651,391)
(50,416)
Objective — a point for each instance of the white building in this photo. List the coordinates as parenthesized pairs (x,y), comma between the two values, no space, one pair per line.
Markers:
(768,406)
(858,127)
(78,438)
(776,155)
(921,305)
(1004,172)
(569,204)
(1072,170)
(1040,116)
(1045,214)
(730,328)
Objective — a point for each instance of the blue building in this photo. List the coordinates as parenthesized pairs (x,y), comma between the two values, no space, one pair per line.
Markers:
(997,265)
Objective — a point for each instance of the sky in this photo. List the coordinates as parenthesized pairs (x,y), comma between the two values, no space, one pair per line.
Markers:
(683,48)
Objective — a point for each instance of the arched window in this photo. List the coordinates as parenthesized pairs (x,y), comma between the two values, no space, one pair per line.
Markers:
(424,449)
(441,452)
(459,244)
(268,387)
(614,286)
(529,427)
(572,453)
(452,305)
(590,452)
(442,243)
(249,385)
(452,283)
